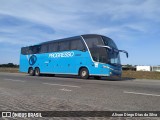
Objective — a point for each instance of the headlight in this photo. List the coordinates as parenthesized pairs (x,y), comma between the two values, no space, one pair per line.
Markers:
(105,66)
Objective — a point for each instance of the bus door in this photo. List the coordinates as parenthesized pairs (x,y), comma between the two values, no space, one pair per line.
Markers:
(45,63)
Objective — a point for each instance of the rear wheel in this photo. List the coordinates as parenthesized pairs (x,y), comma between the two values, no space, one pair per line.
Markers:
(84,74)
(37,72)
(31,71)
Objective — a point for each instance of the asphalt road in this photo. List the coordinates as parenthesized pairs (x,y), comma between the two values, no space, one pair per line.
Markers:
(47,93)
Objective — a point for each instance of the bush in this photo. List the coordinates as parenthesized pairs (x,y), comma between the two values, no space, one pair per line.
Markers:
(11,65)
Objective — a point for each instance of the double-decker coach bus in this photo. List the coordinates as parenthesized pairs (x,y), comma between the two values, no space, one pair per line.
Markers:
(85,55)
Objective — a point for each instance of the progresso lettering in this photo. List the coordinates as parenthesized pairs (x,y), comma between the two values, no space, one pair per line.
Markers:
(63,54)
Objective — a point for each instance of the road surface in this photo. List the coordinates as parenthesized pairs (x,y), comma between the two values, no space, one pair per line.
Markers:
(20,92)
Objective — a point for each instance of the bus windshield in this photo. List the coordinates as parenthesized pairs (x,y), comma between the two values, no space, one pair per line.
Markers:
(101,54)
(114,57)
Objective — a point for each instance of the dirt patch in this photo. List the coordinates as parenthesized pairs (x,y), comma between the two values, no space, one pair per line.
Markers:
(7,69)
(141,75)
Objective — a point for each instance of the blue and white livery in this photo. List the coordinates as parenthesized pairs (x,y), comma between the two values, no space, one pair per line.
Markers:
(85,55)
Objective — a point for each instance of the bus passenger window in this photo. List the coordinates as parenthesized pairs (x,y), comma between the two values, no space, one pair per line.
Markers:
(53,47)
(64,45)
(77,45)
(44,48)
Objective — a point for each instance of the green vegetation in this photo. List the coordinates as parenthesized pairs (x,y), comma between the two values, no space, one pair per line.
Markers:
(9,65)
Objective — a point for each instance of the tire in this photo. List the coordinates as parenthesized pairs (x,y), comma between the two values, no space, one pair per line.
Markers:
(31,72)
(97,77)
(37,72)
(84,74)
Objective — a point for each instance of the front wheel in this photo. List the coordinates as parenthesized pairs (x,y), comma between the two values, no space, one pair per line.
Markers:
(37,72)
(84,74)
(31,72)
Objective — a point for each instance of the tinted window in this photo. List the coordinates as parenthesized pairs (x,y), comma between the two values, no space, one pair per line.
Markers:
(64,45)
(30,50)
(99,54)
(35,49)
(25,50)
(77,45)
(93,41)
(109,42)
(44,48)
(53,47)
(113,57)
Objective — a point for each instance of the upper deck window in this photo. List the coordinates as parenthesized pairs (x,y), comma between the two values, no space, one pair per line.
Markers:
(77,44)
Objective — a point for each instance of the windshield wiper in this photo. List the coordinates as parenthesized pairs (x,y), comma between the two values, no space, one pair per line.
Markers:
(113,49)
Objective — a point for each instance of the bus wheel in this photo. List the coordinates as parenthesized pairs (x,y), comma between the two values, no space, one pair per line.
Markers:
(97,77)
(37,72)
(84,74)
(31,71)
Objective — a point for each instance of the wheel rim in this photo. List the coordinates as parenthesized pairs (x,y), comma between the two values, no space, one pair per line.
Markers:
(37,72)
(84,73)
(31,71)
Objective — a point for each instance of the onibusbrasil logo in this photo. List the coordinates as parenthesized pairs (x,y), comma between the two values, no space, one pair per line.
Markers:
(32,60)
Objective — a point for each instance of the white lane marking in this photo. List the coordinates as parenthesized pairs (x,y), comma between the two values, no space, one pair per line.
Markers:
(141,93)
(64,89)
(62,85)
(14,80)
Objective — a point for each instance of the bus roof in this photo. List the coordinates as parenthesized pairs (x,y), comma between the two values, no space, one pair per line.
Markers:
(69,38)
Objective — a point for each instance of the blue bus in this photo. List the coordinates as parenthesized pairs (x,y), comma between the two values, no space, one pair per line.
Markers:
(85,55)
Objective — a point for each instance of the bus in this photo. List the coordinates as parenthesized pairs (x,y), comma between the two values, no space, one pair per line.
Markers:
(85,55)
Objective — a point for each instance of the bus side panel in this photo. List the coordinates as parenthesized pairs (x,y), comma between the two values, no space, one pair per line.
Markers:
(102,69)
(43,63)
(78,60)
(92,69)
(99,70)
(24,63)
(67,65)
(58,65)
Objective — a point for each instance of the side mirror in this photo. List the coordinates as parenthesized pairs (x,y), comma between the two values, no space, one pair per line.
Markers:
(124,52)
(127,55)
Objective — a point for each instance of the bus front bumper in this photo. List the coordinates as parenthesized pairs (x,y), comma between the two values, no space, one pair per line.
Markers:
(114,71)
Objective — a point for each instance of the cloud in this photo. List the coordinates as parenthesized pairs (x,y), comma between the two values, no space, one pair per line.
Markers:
(26,22)
(16,30)
(79,16)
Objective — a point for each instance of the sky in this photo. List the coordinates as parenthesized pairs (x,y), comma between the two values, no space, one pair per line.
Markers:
(134,25)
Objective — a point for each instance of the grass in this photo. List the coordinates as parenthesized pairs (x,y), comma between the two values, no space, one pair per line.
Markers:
(125,74)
